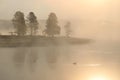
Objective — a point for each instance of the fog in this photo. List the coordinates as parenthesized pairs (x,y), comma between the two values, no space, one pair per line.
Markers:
(97,20)
(69,9)
(90,18)
(61,63)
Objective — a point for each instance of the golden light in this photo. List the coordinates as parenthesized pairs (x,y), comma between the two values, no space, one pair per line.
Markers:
(98,78)
(96,2)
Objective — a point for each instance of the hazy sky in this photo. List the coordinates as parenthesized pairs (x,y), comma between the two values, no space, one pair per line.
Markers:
(65,9)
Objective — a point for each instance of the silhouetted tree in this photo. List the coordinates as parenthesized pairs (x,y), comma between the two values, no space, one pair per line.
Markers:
(33,23)
(19,23)
(52,27)
(68,29)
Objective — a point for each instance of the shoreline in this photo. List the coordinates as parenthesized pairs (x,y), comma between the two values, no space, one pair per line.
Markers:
(31,41)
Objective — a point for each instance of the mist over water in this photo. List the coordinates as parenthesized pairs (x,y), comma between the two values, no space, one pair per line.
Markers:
(30,63)
(60,62)
(68,62)
(97,20)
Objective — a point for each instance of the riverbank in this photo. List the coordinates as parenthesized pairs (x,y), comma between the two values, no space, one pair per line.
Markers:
(29,41)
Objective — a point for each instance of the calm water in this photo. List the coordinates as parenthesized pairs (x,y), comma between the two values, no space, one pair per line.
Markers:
(77,62)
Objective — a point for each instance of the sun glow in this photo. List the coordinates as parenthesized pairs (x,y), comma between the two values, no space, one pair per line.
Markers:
(96,2)
(98,78)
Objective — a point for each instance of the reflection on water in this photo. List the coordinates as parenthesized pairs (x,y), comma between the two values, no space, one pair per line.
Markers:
(23,55)
(60,62)
(19,57)
(52,55)
(33,57)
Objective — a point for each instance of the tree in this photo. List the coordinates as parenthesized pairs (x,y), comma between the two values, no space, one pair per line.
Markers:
(52,27)
(19,23)
(68,29)
(32,23)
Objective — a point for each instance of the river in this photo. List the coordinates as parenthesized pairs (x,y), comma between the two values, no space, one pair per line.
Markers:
(70,62)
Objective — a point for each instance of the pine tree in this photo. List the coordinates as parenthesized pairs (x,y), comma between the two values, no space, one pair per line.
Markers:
(52,27)
(68,29)
(19,23)
(32,23)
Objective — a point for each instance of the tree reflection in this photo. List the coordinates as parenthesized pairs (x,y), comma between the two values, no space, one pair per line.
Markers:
(19,57)
(52,55)
(32,59)
(25,57)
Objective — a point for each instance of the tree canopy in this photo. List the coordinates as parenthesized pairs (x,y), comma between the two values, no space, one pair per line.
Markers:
(32,23)
(19,23)
(52,27)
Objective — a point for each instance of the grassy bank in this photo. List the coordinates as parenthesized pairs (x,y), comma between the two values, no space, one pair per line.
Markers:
(18,41)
